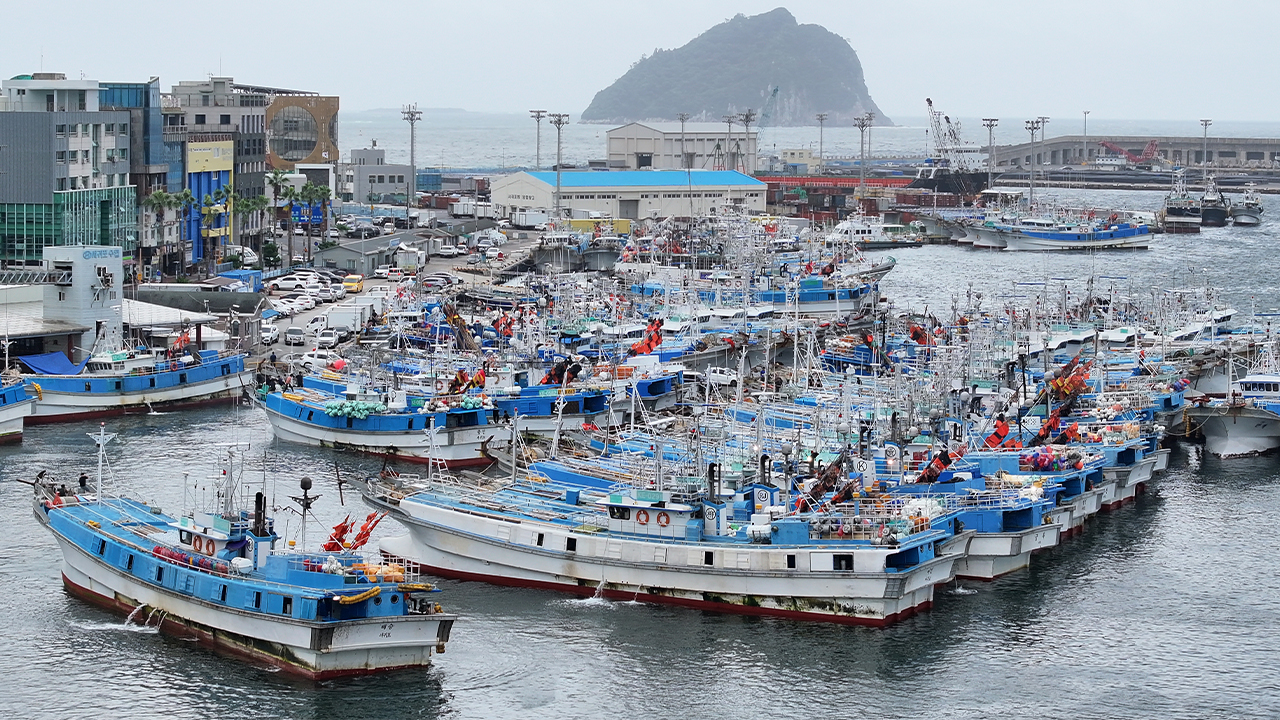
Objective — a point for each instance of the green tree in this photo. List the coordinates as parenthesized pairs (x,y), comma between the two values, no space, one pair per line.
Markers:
(270,254)
(290,196)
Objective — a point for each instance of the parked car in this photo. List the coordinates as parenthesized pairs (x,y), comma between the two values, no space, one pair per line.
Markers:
(338,289)
(474,259)
(395,275)
(493,253)
(722,376)
(299,231)
(333,232)
(362,232)
(353,283)
(344,332)
(448,251)
(382,271)
(308,302)
(484,244)
(318,359)
(327,339)
(295,336)
(288,282)
(270,334)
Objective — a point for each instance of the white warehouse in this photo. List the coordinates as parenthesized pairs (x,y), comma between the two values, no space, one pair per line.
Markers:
(630,194)
(668,146)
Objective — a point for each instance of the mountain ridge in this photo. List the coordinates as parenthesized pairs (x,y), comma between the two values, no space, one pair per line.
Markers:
(737,65)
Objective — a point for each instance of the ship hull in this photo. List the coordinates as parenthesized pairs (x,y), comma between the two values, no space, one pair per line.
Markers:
(1236,431)
(460,447)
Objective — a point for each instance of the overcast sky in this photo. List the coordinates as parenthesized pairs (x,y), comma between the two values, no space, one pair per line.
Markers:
(1125,59)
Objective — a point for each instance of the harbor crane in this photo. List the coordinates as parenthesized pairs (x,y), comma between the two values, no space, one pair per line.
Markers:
(1149,153)
(946,140)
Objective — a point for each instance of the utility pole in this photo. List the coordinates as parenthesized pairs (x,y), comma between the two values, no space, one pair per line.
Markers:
(728,143)
(684,155)
(1204,152)
(411,115)
(559,120)
(747,118)
(537,115)
(822,162)
(1085,149)
(990,125)
(1032,127)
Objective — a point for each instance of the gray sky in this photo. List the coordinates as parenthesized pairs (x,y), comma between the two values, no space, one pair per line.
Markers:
(1126,59)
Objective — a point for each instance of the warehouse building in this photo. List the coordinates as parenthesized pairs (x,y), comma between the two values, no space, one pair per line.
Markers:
(632,194)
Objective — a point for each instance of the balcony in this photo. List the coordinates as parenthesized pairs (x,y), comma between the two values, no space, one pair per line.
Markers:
(214,128)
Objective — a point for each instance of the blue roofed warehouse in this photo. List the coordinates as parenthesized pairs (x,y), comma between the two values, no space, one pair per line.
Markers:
(631,194)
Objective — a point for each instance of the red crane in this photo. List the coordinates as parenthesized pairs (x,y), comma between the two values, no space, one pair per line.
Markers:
(1148,153)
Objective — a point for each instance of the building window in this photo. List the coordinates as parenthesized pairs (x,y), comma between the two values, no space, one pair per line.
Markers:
(62,130)
(224,119)
(62,183)
(80,99)
(204,100)
(124,128)
(84,156)
(200,118)
(124,154)
(111,127)
(73,183)
(111,181)
(62,157)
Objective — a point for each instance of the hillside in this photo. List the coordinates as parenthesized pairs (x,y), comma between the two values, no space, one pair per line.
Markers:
(734,66)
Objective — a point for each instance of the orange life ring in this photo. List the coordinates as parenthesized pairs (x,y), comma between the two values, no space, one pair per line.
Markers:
(197,544)
(209,547)
(642,517)
(663,519)
(439,385)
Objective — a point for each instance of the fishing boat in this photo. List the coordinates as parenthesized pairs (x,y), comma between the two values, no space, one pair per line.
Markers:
(448,430)
(15,406)
(1181,211)
(131,381)
(1215,206)
(1248,211)
(864,561)
(1246,423)
(1086,234)
(222,577)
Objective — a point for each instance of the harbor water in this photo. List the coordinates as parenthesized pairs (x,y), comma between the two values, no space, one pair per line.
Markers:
(1166,608)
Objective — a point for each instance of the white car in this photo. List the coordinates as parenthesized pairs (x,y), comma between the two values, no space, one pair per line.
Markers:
(493,253)
(317,324)
(295,336)
(285,307)
(339,290)
(333,232)
(318,359)
(395,275)
(270,334)
(382,271)
(484,244)
(448,251)
(307,302)
(326,339)
(722,376)
(289,282)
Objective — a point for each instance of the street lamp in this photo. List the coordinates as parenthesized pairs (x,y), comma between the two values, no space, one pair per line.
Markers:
(1204,152)
(822,163)
(862,122)
(990,124)
(412,115)
(559,120)
(1085,144)
(1043,121)
(537,115)
(1032,126)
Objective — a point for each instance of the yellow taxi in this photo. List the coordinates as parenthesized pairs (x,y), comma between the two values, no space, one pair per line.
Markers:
(353,283)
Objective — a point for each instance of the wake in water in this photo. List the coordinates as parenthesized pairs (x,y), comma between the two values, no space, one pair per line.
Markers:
(961,590)
(125,626)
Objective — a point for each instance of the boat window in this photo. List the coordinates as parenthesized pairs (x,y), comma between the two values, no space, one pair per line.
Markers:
(709,558)
(87,387)
(153,382)
(102,546)
(395,599)
(791,562)
(539,540)
(377,601)
(117,384)
(223,594)
(309,414)
(842,562)
(571,545)
(619,513)
(184,537)
(182,377)
(257,600)
(160,573)
(286,606)
(128,565)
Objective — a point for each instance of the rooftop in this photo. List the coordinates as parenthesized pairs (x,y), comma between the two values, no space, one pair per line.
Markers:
(26,319)
(647,178)
(701,128)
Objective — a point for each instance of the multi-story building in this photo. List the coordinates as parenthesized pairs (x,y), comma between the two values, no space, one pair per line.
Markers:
(215,111)
(64,169)
(155,164)
(368,178)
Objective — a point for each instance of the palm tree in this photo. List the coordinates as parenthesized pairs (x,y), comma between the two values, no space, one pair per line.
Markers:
(291,196)
(184,201)
(156,202)
(224,205)
(322,194)
(276,180)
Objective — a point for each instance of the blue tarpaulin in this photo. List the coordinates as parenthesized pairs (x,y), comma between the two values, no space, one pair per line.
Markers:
(52,363)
